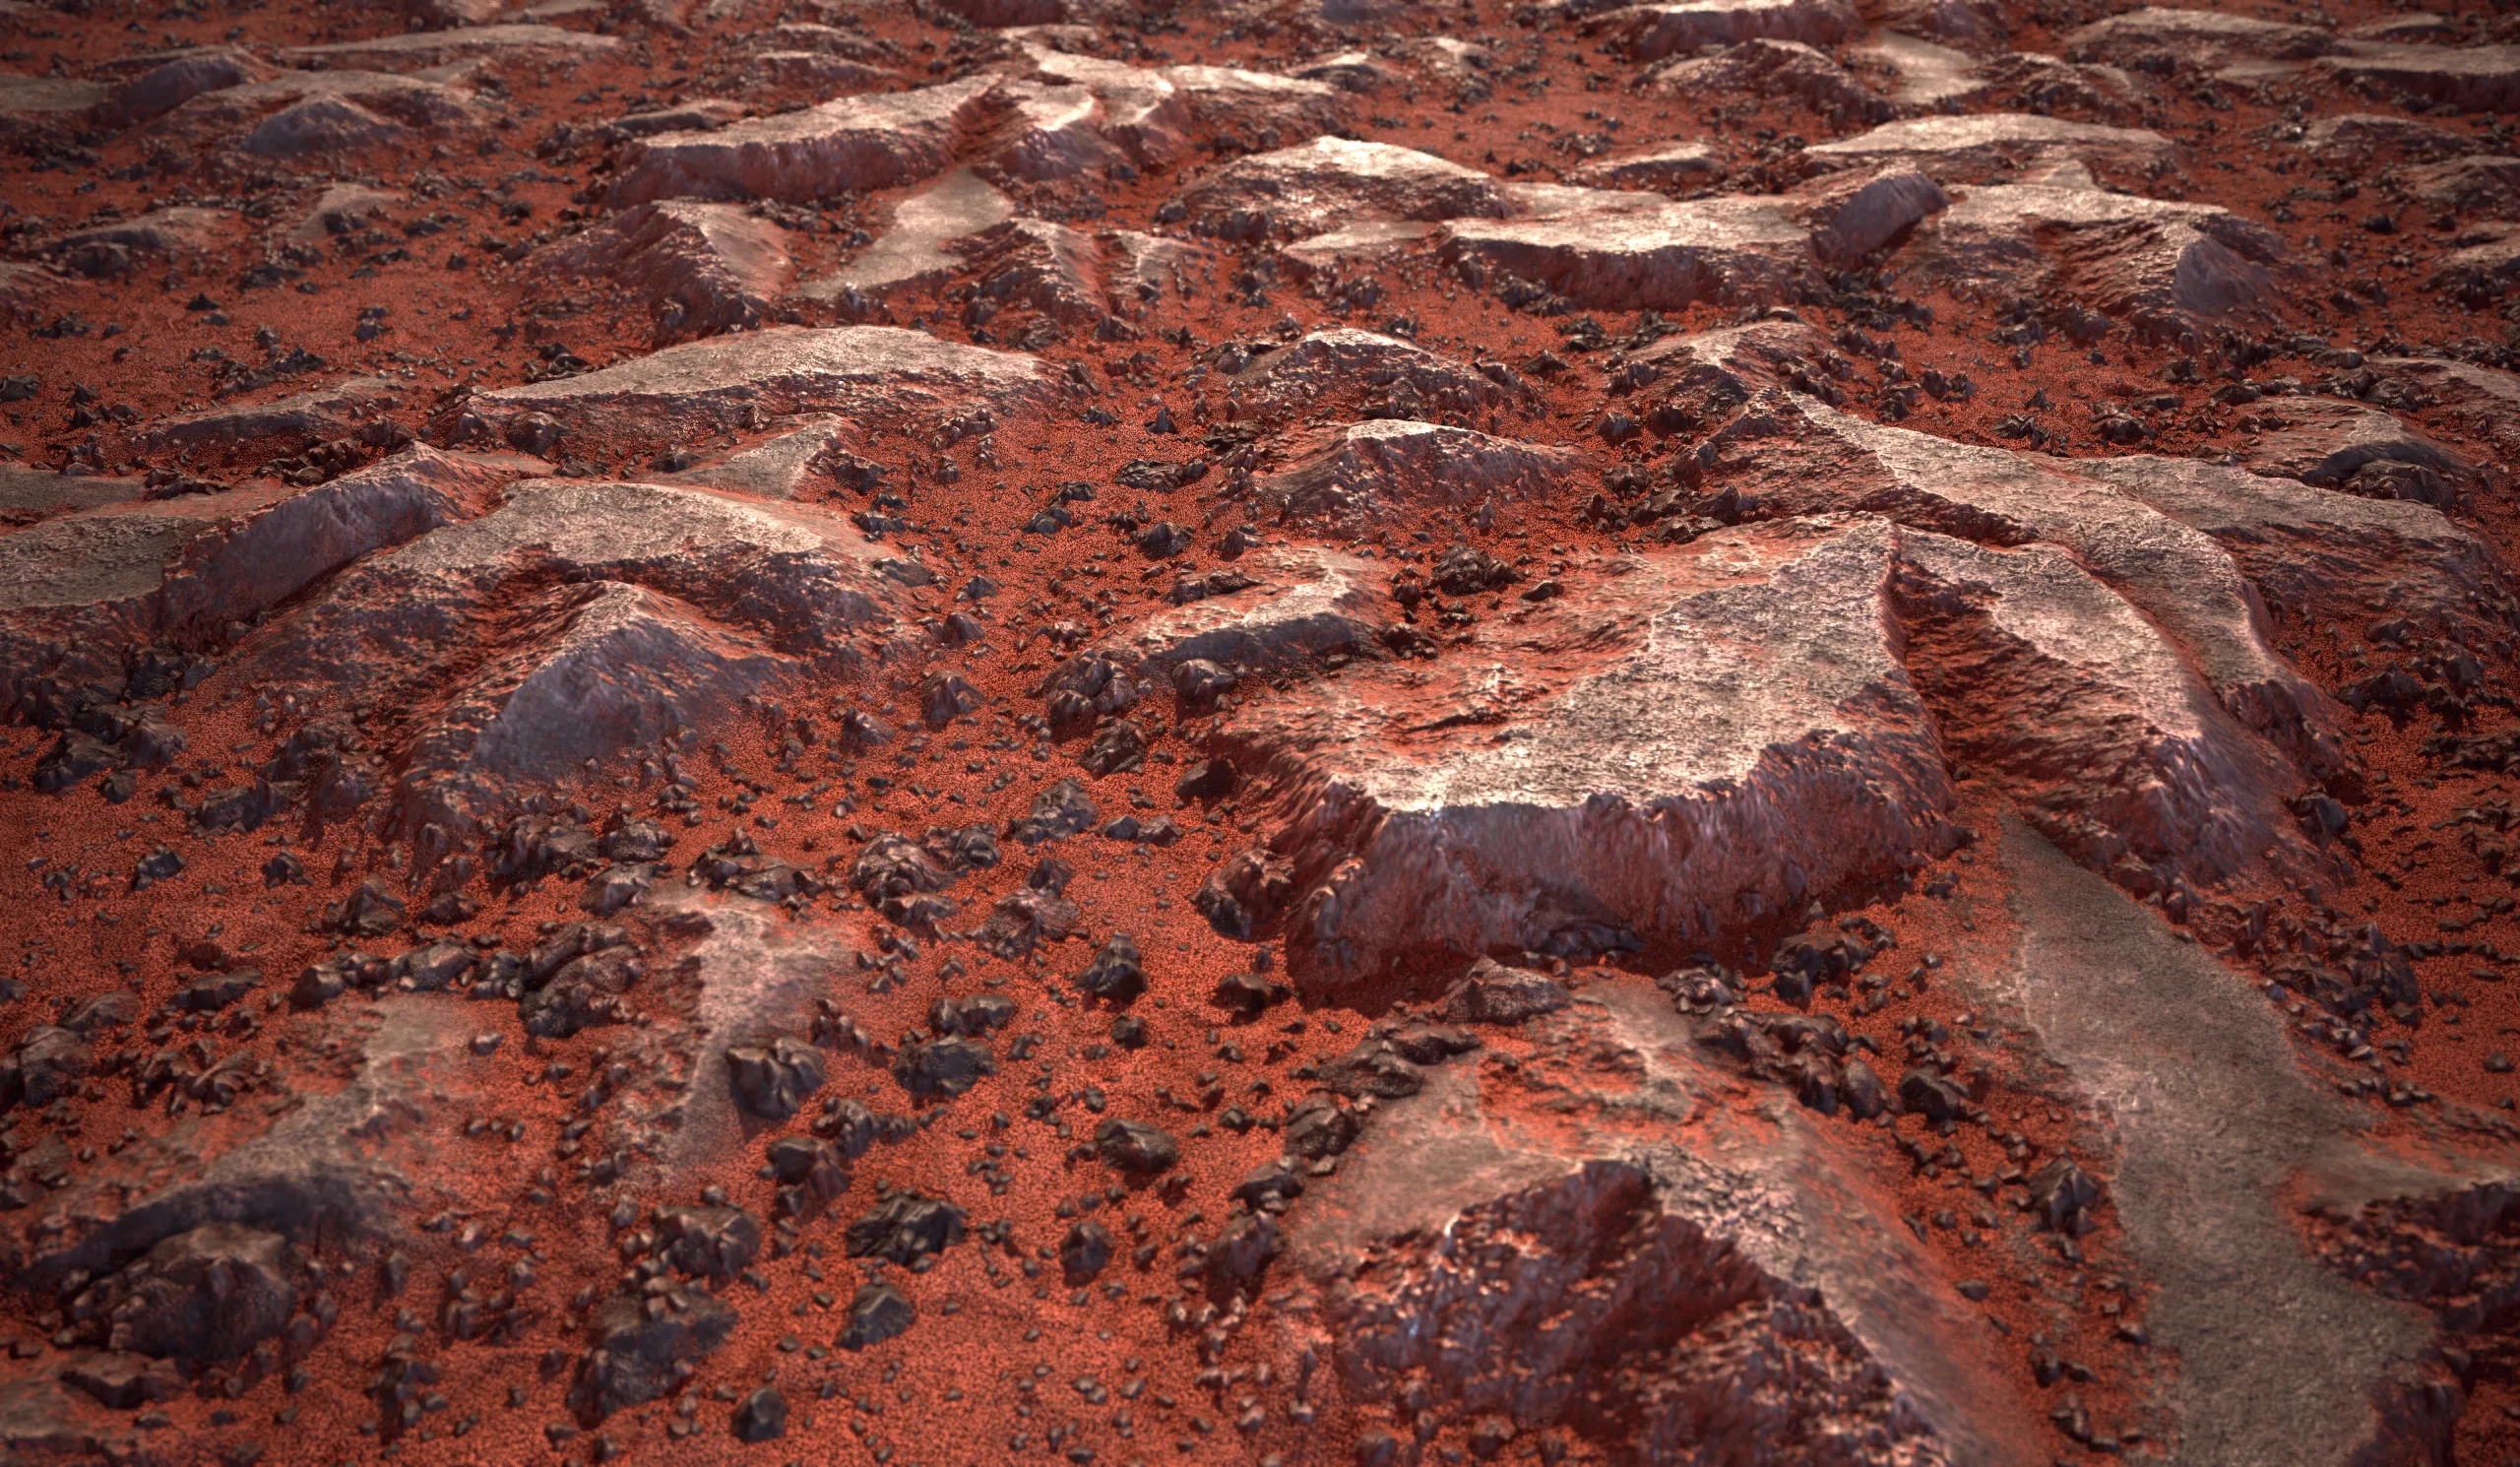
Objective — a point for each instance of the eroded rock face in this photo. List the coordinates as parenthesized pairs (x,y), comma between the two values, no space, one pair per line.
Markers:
(672,603)
(89,587)
(1344,366)
(1537,802)
(1743,1285)
(854,143)
(701,269)
(1330,181)
(1968,149)
(1370,469)
(2161,266)
(705,386)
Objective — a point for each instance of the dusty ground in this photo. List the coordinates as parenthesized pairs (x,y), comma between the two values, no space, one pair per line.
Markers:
(1603,1226)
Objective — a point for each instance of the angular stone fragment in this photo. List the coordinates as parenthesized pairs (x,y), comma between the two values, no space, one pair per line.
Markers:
(1649,32)
(210,1293)
(2324,440)
(1678,1244)
(852,144)
(697,269)
(912,253)
(1330,369)
(1530,800)
(419,49)
(2160,265)
(2357,137)
(2157,38)
(1333,181)
(178,78)
(783,467)
(83,589)
(1673,167)
(641,1352)
(649,639)
(2178,575)
(29,105)
(1305,602)
(1968,148)
(2463,79)
(2127,752)
(1375,470)
(1778,69)
(2316,555)
(319,112)
(682,392)
(1731,250)
(259,431)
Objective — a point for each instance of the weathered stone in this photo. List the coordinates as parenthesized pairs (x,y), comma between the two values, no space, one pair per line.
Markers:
(419,49)
(1672,166)
(707,386)
(1970,148)
(85,588)
(2324,440)
(180,77)
(1307,603)
(1502,1245)
(1775,68)
(698,269)
(210,1293)
(1534,804)
(1331,369)
(2464,78)
(2158,266)
(2155,38)
(638,1348)
(1376,470)
(1649,32)
(283,425)
(1730,250)
(1330,181)
(912,253)
(852,144)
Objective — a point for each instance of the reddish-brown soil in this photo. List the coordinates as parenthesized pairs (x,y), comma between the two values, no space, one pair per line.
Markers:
(1007,1361)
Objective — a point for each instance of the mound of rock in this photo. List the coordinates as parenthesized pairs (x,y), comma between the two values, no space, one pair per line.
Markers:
(1373,470)
(698,269)
(701,387)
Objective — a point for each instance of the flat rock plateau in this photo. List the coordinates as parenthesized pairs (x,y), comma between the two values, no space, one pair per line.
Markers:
(1292,732)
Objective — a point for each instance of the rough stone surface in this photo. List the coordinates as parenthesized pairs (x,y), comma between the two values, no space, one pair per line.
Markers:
(876,371)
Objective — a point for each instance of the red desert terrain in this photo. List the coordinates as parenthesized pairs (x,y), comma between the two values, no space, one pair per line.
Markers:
(1276,732)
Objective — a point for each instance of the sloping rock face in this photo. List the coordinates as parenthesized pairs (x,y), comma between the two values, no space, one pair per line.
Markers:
(1385,731)
(700,269)
(1372,468)
(579,620)
(93,588)
(1568,754)
(1696,1274)
(880,372)
(2164,268)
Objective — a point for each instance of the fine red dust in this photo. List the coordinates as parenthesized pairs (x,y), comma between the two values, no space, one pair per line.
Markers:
(1008,1362)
